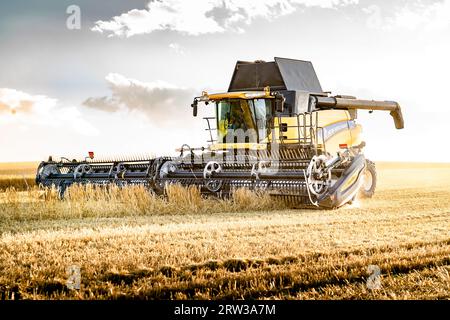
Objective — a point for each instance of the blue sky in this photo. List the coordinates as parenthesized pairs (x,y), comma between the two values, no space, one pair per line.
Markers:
(123,83)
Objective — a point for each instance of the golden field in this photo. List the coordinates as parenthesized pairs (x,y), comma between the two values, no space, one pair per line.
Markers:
(131,244)
(18,175)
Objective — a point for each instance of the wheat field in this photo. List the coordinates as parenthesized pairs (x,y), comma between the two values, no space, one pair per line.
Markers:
(129,244)
(20,176)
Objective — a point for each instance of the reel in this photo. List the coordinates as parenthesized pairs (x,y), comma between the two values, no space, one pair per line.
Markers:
(211,168)
(318,175)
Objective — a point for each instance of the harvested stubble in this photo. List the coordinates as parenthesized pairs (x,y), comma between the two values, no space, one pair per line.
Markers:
(132,244)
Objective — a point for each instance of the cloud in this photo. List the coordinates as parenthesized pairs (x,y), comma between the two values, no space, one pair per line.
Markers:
(413,15)
(102,103)
(28,110)
(211,16)
(17,102)
(160,102)
(176,48)
(430,17)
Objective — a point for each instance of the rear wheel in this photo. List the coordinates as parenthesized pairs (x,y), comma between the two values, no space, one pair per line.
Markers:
(370,180)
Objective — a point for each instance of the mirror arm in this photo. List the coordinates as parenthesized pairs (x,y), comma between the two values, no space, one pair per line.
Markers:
(194,106)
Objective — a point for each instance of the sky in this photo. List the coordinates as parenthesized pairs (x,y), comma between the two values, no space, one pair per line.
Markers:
(120,79)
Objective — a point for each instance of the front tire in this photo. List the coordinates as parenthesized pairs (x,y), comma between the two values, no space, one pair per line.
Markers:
(370,180)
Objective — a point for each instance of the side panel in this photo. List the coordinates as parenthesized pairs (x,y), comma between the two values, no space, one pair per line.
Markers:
(356,133)
(292,129)
(335,127)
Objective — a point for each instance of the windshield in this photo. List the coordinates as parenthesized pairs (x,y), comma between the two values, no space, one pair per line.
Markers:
(250,118)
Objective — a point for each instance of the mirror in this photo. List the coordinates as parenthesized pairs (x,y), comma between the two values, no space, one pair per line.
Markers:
(194,106)
(279,102)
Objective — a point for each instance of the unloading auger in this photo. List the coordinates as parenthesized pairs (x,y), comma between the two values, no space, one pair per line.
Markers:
(275,130)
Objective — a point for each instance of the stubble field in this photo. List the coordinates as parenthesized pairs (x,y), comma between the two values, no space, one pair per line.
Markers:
(130,244)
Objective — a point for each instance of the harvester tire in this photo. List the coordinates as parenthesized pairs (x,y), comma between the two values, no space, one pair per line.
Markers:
(370,180)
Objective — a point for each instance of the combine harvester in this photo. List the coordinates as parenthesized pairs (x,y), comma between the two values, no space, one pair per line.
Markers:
(274,130)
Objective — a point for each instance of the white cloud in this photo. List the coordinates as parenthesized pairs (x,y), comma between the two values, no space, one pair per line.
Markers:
(26,110)
(16,102)
(203,17)
(431,17)
(412,16)
(176,48)
(160,102)
(158,110)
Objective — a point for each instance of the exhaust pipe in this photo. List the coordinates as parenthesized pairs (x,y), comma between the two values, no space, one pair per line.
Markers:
(352,103)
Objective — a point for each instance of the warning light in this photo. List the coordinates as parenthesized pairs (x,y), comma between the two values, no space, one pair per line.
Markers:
(343,145)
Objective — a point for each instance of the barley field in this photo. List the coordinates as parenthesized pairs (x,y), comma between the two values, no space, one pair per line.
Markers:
(129,244)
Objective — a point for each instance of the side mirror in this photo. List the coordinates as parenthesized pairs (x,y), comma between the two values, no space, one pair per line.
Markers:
(279,102)
(194,106)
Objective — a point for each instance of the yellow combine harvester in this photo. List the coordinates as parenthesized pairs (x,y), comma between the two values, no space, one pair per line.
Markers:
(275,130)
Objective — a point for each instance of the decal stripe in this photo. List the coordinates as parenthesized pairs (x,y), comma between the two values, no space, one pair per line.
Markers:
(332,129)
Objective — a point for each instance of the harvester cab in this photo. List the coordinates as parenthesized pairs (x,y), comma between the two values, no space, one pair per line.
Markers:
(274,130)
